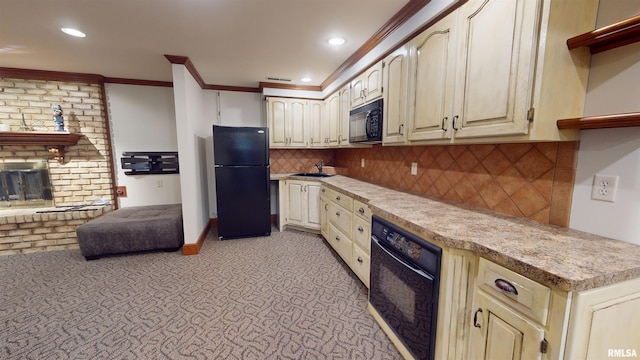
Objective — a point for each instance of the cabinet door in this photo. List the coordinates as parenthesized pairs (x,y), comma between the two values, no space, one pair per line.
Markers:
(332,119)
(315,124)
(395,98)
(373,82)
(312,191)
(276,113)
(357,91)
(498,333)
(324,219)
(345,107)
(296,202)
(298,120)
(432,81)
(496,61)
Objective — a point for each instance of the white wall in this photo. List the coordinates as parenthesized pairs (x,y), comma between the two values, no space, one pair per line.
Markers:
(613,88)
(192,132)
(142,118)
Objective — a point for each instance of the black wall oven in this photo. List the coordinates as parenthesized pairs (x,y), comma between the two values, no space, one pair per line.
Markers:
(405,280)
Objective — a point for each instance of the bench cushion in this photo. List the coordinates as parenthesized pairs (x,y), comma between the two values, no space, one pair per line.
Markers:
(138,228)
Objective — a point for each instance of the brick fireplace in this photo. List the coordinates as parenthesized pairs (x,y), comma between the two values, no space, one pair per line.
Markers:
(83,176)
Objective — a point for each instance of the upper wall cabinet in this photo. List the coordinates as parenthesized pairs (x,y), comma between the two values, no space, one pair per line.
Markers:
(317,131)
(367,86)
(495,71)
(395,76)
(288,122)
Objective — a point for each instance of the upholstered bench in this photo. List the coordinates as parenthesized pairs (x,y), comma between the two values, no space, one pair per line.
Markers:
(132,229)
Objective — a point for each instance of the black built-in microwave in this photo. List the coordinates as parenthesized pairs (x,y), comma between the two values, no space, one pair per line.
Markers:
(365,123)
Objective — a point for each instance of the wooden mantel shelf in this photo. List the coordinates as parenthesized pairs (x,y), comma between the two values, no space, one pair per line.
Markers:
(55,141)
(609,37)
(601,122)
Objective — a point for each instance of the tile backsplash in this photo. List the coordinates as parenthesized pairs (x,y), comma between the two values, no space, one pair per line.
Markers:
(299,160)
(531,180)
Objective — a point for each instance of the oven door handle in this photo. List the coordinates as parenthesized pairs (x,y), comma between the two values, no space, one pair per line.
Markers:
(405,264)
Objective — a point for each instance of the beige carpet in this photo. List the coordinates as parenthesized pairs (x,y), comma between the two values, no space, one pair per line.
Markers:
(287,296)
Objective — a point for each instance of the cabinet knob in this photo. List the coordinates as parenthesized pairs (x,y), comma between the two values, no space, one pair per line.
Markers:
(361,210)
(454,122)
(360,228)
(506,286)
(475,318)
(360,259)
(338,198)
(337,238)
(322,190)
(326,207)
(337,213)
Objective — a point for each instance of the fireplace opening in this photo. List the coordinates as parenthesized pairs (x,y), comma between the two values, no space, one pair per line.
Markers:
(25,185)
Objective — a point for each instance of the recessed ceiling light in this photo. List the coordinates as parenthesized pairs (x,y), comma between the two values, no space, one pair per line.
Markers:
(306,79)
(336,41)
(73,32)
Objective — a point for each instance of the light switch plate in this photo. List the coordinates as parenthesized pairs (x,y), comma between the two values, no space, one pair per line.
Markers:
(414,168)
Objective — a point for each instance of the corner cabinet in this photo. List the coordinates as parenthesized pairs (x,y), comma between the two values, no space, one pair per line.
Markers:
(288,121)
(302,204)
(495,72)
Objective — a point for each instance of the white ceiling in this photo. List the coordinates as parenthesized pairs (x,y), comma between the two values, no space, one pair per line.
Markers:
(230,42)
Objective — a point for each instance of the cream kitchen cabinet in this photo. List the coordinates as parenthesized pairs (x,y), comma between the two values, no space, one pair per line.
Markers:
(395,78)
(496,72)
(332,120)
(348,230)
(316,124)
(288,120)
(514,317)
(344,96)
(302,199)
(367,87)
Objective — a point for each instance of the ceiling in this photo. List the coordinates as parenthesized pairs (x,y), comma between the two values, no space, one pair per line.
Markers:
(230,42)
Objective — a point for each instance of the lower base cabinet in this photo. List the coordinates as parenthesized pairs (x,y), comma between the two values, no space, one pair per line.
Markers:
(346,230)
(301,201)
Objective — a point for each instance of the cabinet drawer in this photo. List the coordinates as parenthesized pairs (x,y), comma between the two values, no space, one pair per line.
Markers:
(522,294)
(339,198)
(340,243)
(340,217)
(362,210)
(360,264)
(362,233)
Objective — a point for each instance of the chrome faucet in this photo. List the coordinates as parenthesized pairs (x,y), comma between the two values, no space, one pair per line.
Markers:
(319,166)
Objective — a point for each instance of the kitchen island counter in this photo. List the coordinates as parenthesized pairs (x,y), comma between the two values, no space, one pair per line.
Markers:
(559,257)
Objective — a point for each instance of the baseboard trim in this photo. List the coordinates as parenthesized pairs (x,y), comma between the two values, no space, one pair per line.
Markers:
(194,249)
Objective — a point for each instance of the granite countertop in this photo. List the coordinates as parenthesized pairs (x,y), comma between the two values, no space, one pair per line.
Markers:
(555,256)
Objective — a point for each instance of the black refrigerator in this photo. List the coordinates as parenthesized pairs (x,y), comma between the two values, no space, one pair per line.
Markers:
(241,156)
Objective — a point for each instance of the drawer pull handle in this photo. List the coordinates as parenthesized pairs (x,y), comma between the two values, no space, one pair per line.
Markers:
(338,198)
(337,213)
(360,228)
(361,210)
(360,259)
(506,286)
(475,318)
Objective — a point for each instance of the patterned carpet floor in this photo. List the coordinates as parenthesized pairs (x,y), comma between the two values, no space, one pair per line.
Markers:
(287,296)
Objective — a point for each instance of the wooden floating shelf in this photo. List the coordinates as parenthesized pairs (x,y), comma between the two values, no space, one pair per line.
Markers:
(609,37)
(55,141)
(601,122)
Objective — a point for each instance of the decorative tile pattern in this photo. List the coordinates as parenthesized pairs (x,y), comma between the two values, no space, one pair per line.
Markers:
(298,160)
(531,180)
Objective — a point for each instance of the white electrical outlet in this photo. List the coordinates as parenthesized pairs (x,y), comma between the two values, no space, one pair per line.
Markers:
(414,168)
(361,162)
(604,187)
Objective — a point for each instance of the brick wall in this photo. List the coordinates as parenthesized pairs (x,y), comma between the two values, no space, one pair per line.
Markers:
(85,174)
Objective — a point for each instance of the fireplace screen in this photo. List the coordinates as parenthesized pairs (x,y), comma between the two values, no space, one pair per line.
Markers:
(25,185)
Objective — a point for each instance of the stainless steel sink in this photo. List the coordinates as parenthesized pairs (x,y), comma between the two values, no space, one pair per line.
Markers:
(311,174)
